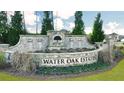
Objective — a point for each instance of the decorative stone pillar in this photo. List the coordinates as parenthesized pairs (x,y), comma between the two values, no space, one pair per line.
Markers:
(110,49)
(99,44)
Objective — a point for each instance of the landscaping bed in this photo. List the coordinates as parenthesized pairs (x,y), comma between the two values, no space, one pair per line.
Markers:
(71,69)
(65,50)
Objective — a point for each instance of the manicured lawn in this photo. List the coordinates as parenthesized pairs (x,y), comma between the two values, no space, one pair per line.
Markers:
(7,77)
(117,73)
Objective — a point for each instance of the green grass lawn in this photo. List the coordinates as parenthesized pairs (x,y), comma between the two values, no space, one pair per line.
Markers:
(117,73)
(7,77)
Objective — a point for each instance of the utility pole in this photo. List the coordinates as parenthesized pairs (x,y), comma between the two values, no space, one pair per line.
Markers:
(36,23)
(110,49)
(52,18)
(56,27)
(24,20)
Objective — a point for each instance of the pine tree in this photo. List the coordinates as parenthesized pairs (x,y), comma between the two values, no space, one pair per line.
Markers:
(16,28)
(3,27)
(79,24)
(98,33)
(36,22)
(47,22)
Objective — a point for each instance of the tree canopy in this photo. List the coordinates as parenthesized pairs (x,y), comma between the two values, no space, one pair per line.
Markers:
(79,24)
(16,28)
(3,27)
(47,23)
(98,33)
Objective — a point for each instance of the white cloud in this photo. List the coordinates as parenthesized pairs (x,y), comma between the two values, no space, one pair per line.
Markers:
(71,26)
(88,30)
(113,24)
(63,14)
(58,24)
(9,13)
(31,29)
(117,30)
(120,31)
(111,27)
(30,18)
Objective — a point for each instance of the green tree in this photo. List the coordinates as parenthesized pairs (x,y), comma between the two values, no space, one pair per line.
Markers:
(47,23)
(16,28)
(79,24)
(98,33)
(3,27)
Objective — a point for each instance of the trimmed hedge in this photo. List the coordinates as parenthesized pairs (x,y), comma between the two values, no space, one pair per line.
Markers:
(71,69)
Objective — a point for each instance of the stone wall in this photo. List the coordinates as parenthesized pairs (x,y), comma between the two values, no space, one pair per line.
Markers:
(4,47)
(67,41)
(33,43)
(29,43)
(77,41)
(62,59)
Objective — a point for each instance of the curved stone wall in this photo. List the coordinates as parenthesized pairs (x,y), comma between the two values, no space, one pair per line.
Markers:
(65,59)
(4,47)
(33,43)
(30,43)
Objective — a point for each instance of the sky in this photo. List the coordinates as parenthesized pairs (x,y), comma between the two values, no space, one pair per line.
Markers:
(113,21)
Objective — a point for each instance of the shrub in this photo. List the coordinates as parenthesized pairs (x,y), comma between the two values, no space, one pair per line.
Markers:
(71,69)
(121,47)
(1,57)
(3,64)
(23,62)
(103,62)
(103,56)
(114,47)
(118,52)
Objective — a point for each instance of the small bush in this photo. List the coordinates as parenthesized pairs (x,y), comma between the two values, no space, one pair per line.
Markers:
(114,47)
(103,62)
(3,64)
(23,62)
(121,47)
(1,57)
(118,52)
(71,69)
